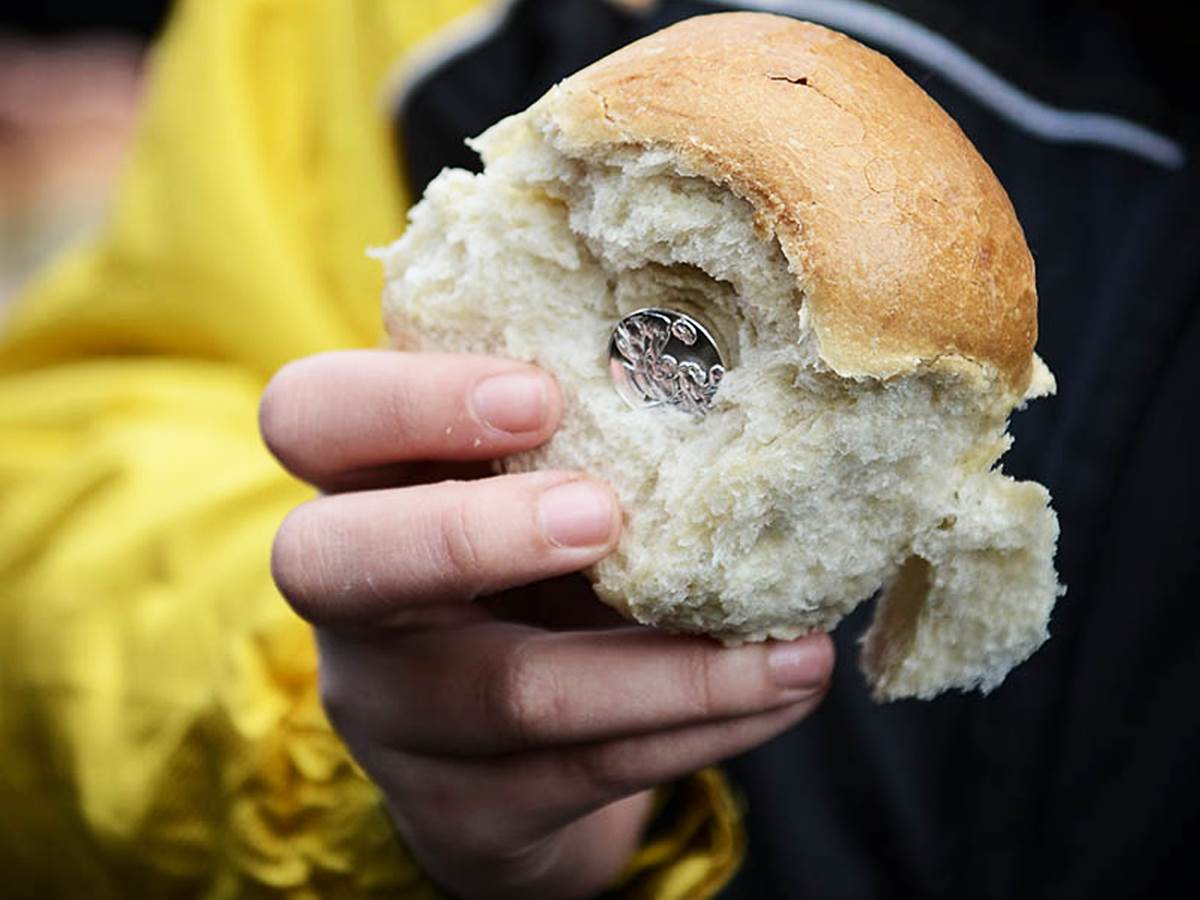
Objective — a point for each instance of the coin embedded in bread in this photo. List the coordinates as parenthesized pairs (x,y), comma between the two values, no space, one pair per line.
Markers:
(791,310)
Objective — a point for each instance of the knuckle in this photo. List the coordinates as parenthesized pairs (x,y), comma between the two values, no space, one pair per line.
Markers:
(460,545)
(530,697)
(604,769)
(701,683)
(402,412)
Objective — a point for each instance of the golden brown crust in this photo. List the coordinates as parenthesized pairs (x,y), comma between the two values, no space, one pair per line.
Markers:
(907,248)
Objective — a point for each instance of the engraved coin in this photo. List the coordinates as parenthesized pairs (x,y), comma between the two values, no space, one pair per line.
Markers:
(661,357)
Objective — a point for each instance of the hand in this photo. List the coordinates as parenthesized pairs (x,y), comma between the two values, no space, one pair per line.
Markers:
(517,738)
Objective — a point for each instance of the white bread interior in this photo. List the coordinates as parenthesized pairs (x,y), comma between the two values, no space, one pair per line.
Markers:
(803,491)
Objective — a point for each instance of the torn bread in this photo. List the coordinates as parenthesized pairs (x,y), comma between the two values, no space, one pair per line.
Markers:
(875,300)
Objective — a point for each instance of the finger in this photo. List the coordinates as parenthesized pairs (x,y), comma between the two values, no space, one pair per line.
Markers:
(520,798)
(581,779)
(383,557)
(334,417)
(496,687)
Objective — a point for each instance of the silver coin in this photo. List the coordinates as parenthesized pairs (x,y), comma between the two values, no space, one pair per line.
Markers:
(662,357)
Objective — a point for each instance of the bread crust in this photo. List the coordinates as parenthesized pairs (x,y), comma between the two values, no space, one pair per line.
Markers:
(907,251)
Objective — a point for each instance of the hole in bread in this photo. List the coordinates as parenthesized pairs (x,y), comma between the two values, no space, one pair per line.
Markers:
(687,289)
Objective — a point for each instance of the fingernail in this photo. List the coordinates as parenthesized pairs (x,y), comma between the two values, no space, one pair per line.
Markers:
(514,402)
(576,514)
(799,664)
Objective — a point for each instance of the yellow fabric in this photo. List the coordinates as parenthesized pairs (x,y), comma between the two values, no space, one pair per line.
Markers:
(160,732)
(700,851)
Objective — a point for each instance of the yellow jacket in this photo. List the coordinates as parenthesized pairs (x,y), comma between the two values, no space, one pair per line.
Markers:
(160,732)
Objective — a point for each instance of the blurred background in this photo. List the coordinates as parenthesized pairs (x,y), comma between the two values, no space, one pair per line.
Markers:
(70,83)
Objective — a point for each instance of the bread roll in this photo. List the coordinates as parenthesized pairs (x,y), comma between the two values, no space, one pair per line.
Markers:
(865,282)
